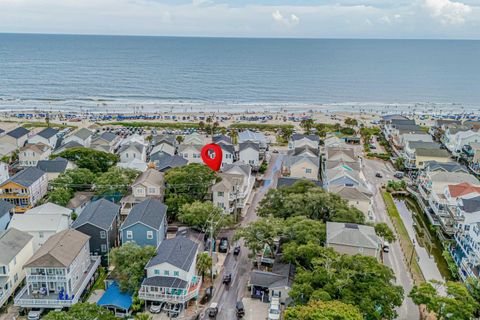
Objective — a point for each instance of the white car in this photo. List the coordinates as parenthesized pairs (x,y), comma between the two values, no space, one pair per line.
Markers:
(274,312)
(386,246)
(35,314)
(156,307)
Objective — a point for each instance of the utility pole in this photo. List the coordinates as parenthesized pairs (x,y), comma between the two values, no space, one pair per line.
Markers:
(211,249)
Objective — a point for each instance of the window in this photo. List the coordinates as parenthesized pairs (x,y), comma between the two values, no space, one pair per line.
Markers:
(15,261)
(157,272)
(308,170)
(166,273)
(104,248)
(220,193)
(251,161)
(129,234)
(15,277)
(149,234)
(176,273)
(40,234)
(152,190)
(103,234)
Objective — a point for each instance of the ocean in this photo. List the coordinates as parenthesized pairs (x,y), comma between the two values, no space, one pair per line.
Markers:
(124,73)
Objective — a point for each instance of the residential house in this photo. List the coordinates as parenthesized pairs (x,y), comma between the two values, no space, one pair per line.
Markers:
(55,167)
(6,211)
(106,142)
(148,184)
(358,197)
(169,139)
(352,239)
(222,139)
(47,136)
(30,154)
(165,162)
(59,272)
(456,137)
(191,152)
(301,167)
(99,220)
(146,224)
(16,248)
(249,153)
(4,174)
(195,139)
(416,160)
(171,274)
(256,137)
(471,153)
(465,249)
(333,142)
(16,137)
(82,136)
(289,181)
(42,222)
(404,139)
(79,201)
(303,140)
(66,146)
(25,188)
(228,154)
(265,285)
(164,145)
(131,151)
(228,193)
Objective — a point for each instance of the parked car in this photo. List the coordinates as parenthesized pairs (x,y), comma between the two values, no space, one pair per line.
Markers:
(398,175)
(156,307)
(378,175)
(223,247)
(386,246)
(274,311)
(35,314)
(236,251)
(208,295)
(227,279)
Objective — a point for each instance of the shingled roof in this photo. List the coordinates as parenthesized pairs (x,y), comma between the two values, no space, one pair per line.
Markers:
(100,213)
(12,241)
(149,212)
(179,252)
(18,132)
(26,177)
(47,133)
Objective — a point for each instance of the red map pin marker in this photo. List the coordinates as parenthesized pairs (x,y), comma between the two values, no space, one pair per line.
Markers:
(210,150)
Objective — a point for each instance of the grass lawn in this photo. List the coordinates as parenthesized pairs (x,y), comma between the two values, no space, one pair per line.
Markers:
(152,124)
(404,238)
(38,124)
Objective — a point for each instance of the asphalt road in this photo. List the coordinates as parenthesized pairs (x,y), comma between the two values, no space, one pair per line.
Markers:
(394,259)
(240,266)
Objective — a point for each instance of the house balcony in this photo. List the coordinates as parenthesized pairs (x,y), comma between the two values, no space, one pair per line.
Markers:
(446,223)
(438,209)
(4,294)
(45,278)
(167,294)
(28,298)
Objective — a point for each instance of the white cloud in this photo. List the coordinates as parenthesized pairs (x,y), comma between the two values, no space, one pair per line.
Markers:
(291,21)
(449,12)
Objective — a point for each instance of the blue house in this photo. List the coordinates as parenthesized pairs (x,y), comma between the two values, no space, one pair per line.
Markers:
(146,224)
(5,209)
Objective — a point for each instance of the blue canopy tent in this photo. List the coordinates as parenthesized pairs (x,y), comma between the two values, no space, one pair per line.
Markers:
(115,300)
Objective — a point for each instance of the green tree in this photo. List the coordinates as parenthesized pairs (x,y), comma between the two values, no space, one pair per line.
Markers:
(129,261)
(115,180)
(180,139)
(76,179)
(201,126)
(400,164)
(383,231)
(286,133)
(304,198)
(82,311)
(93,160)
(351,122)
(456,304)
(358,280)
(234,136)
(187,184)
(204,215)
(60,196)
(307,125)
(324,310)
(143,316)
(204,263)
(452,266)
(259,233)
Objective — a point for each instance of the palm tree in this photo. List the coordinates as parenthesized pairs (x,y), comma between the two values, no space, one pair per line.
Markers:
(143,316)
(201,126)
(204,263)
(307,125)
(214,127)
(234,136)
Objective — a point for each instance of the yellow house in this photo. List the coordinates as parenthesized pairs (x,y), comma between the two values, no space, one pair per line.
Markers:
(24,189)
(424,155)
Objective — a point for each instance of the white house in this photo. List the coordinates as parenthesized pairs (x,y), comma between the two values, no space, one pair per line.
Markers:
(256,137)
(132,151)
(228,154)
(301,140)
(16,137)
(191,153)
(249,153)
(16,248)
(456,141)
(47,136)
(42,222)
(4,175)
(82,136)
(59,272)
(55,167)
(301,167)
(195,139)
(30,154)
(171,274)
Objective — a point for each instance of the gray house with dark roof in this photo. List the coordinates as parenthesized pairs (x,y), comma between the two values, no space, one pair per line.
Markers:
(171,275)
(6,209)
(47,136)
(164,162)
(146,224)
(99,220)
(16,137)
(55,167)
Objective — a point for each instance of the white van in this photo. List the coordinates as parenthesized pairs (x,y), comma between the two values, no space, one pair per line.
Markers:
(386,246)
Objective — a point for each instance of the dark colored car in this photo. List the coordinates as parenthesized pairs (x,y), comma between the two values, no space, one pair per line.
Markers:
(227,279)
(378,175)
(223,247)
(208,295)
(236,251)
(240,309)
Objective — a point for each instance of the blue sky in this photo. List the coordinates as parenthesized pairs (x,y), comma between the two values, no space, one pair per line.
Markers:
(443,19)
